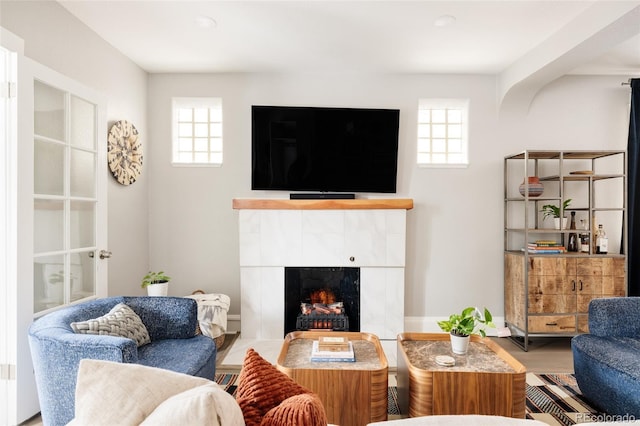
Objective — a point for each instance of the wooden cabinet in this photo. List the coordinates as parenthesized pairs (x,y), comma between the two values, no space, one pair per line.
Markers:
(558,290)
(550,293)
(598,277)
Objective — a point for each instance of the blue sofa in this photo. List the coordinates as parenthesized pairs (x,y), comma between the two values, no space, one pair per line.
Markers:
(607,360)
(56,350)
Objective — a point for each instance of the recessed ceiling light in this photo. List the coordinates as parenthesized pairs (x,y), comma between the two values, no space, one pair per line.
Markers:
(445,21)
(205,22)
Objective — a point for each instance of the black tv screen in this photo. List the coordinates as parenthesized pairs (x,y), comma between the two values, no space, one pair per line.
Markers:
(324,149)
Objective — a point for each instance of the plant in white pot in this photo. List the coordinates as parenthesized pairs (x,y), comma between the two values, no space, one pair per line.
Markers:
(462,326)
(551,210)
(156,283)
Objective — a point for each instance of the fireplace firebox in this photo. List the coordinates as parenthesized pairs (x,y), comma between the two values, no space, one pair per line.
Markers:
(321,298)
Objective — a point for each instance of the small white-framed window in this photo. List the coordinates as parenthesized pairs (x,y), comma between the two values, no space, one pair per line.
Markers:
(443,139)
(197,131)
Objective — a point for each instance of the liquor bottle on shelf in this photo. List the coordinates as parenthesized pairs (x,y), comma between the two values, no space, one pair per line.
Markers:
(573,237)
(602,242)
(584,236)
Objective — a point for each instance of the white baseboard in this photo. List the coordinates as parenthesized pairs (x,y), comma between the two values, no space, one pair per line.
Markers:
(233,324)
(430,325)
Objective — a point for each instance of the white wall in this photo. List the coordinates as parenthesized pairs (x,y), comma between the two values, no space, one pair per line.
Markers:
(455,238)
(454,248)
(454,232)
(55,38)
(181,220)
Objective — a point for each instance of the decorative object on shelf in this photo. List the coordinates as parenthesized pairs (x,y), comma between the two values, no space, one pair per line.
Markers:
(546,247)
(556,223)
(584,236)
(581,172)
(462,326)
(536,188)
(551,210)
(156,283)
(124,152)
(572,245)
(602,242)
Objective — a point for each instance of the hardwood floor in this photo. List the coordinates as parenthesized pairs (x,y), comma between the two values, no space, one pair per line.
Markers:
(545,354)
(33,421)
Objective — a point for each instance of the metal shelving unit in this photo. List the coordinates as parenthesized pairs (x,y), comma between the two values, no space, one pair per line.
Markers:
(565,174)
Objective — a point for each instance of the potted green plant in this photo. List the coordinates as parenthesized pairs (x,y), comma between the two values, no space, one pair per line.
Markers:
(156,283)
(551,210)
(462,326)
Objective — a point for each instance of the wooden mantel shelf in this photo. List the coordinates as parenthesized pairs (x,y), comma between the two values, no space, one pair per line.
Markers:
(357,204)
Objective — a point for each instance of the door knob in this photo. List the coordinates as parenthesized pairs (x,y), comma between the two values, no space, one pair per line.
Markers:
(105,254)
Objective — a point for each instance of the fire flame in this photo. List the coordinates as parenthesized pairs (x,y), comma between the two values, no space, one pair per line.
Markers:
(323,295)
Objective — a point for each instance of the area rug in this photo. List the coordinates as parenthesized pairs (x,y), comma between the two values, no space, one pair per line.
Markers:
(554,399)
(228,382)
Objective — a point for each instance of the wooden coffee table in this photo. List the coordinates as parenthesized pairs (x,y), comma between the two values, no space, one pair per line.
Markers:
(353,393)
(487,380)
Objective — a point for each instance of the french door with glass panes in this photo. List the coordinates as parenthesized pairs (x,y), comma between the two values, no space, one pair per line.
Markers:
(69,229)
(53,184)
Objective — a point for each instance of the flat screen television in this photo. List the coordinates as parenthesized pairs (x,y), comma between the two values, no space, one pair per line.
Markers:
(324,149)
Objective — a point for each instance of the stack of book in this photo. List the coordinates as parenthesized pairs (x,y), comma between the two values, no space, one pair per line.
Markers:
(545,247)
(338,349)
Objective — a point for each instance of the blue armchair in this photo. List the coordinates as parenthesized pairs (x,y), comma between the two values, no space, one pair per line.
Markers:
(56,350)
(606,361)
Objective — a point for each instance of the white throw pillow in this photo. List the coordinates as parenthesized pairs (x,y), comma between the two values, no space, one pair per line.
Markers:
(111,393)
(206,405)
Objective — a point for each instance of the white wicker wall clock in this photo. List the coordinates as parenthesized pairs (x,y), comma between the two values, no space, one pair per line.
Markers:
(124,152)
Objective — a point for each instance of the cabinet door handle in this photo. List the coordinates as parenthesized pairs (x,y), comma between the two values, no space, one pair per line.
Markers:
(573,285)
(580,285)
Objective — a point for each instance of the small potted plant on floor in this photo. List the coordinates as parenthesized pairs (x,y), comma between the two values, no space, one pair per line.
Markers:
(551,210)
(156,283)
(462,326)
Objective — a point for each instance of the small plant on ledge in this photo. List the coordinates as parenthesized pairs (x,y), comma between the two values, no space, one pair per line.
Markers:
(156,283)
(551,210)
(154,278)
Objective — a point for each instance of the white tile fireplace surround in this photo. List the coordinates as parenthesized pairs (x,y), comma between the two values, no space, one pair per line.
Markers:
(369,234)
